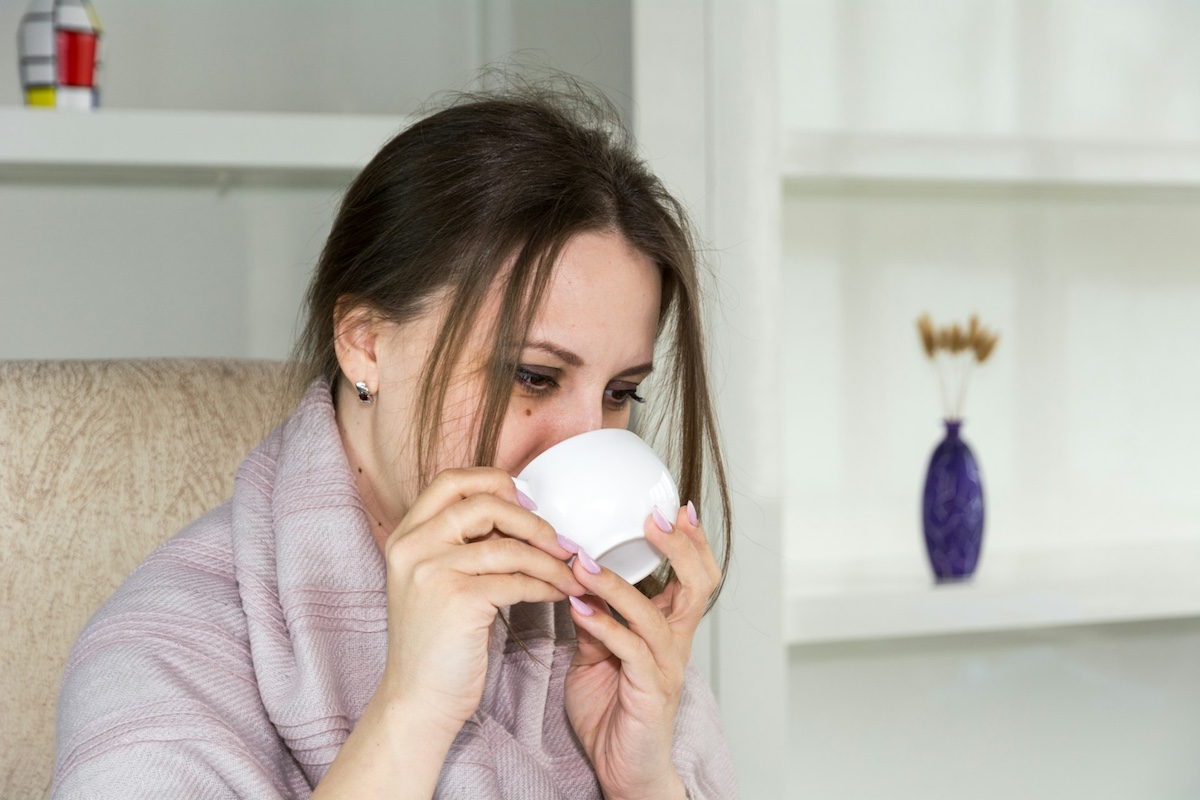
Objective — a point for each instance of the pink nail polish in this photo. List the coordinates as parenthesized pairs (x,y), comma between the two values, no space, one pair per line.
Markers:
(526,501)
(660,520)
(567,544)
(580,606)
(588,563)
(692,518)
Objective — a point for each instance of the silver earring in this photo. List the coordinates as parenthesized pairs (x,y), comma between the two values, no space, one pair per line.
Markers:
(364,394)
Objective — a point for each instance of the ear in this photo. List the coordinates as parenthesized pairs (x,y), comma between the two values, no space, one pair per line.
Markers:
(355,334)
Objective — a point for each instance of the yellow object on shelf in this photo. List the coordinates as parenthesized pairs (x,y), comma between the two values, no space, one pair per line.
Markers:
(40,96)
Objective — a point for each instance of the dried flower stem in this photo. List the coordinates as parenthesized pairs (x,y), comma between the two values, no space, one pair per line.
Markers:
(954,350)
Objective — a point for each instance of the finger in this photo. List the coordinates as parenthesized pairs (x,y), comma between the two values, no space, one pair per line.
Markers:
(478,515)
(504,556)
(646,622)
(699,537)
(590,650)
(507,590)
(694,583)
(600,635)
(452,485)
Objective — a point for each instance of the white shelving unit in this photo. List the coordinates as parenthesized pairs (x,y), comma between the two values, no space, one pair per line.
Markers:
(1009,160)
(43,144)
(877,598)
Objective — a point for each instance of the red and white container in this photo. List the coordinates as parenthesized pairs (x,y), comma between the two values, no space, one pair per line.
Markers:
(59,54)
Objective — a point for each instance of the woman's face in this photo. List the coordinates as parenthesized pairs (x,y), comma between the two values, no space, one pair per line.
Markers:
(589,347)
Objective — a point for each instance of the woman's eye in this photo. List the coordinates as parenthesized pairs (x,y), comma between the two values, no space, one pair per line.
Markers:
(619,397)
(533,381)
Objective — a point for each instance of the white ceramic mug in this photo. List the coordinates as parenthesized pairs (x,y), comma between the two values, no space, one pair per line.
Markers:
(597,489)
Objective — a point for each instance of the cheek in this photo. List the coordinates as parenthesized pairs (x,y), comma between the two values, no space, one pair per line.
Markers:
(526,433)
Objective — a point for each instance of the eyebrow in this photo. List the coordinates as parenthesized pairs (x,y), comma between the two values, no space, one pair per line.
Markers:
(571,359)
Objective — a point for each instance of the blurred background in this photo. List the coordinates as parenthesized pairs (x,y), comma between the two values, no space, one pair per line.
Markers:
(851,164)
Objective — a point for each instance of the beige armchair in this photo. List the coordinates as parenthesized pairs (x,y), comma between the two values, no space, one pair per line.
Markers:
(100,461)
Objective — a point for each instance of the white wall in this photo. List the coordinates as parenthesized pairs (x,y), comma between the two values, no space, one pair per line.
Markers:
(155,271)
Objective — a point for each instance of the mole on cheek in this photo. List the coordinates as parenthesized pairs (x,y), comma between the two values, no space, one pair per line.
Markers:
(529,412)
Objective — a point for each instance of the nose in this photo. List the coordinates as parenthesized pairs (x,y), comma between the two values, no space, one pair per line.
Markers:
(582,417)
(568,419)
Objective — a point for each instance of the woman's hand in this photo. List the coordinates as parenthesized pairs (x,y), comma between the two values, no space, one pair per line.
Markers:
(465,549)
(624,684)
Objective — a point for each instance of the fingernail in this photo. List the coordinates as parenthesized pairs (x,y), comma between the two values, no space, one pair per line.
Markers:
(580,606)
(526,501)
(692,518)
(567,544)
(588,563)
(660,520)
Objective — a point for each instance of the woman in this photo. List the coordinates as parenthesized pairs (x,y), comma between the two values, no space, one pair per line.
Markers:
(377,612)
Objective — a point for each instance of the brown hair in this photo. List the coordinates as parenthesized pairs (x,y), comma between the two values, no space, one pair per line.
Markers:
(507,178)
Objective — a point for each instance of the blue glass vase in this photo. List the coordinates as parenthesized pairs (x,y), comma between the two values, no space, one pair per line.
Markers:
(953,508)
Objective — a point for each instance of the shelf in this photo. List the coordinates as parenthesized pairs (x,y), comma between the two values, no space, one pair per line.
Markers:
(896,598)
(37,143)
(839,158)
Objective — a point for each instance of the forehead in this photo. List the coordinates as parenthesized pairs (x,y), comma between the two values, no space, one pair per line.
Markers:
(602,291)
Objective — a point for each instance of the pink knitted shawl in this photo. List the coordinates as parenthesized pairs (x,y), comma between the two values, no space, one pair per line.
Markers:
(236,659)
